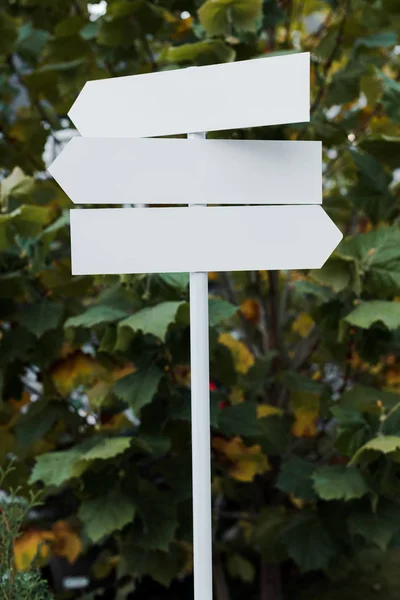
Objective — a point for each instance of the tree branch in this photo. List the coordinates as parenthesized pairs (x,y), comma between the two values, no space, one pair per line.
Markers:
(327,67)
(221,587)
(270,582)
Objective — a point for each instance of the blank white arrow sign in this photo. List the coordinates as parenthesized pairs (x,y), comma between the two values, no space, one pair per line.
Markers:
(265,91)
(170,171)
(238,238)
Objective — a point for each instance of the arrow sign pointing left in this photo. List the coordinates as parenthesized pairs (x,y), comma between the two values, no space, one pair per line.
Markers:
(122,171)
(251,93)
(238,238)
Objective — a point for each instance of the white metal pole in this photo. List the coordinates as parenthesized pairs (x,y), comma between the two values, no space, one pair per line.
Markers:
(201,459)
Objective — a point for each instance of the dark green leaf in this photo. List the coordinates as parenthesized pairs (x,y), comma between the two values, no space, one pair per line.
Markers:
(139,388)
(295,478)
(41,317)
(338,482)
(103,515)
(96,315)
(308,542)
(240,419)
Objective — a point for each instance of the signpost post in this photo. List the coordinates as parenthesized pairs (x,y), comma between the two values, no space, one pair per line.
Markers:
(109,165)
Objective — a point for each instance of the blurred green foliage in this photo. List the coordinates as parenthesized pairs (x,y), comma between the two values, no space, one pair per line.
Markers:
(305,367)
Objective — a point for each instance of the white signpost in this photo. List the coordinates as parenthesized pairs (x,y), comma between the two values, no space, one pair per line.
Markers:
(108,165)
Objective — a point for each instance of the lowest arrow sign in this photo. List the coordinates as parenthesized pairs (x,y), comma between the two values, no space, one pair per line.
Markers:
(240,238)
(265,91)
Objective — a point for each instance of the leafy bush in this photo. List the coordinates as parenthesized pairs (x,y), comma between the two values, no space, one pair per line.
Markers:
(15,583)
(305,368)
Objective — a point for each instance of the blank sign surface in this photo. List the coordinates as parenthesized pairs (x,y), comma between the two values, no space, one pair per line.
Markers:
(175,171)
(159,240)
(265,91)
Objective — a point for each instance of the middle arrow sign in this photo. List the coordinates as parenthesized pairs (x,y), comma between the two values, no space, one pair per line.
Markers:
(176,171)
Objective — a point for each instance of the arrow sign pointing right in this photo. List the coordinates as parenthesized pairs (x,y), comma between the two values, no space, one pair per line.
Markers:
(264,91)
(162,240)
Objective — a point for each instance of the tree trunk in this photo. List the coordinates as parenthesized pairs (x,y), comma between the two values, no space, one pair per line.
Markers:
(270,582)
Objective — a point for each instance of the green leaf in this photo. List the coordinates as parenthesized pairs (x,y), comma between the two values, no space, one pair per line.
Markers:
(240,568)
(295,478)
(377,254)
(218,16)
(220,310)
(37,421)
(96,315)
(30,220)
(382,444)
(107,448)
(371,173)
(338,482)
(16,185)
(41,317)
(308,542)
(335,273)
(139,388)
(8,33)
(345,85)
(89,31)
(379,528)
(352,432)
(267,530)
(384,148)
(365,399)
(103,515)
(375,311)
(391,97)
(157,525)
(6,233)
(239,419)
(391,423)
(384,39)
(176,280)
(31,42)
(163,567)
(55,468)
(154,320)
(206,52)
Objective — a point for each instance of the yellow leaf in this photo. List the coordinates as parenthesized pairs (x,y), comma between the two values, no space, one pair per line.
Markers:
(187,559)
(266,410)
(246,462)
(114,423)
(32,544)
(317,376)
(237,395)
(247,530)
(250,309)
(302,325)
(212,276)
(306,411)
(393,377)
(123,371)
(67,543)
(181,375)
(104,564)
(20,402)
(76,369)
(263,275)
(242,356)
(297,502)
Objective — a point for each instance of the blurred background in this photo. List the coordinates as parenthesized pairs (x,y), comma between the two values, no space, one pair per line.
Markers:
(95,499)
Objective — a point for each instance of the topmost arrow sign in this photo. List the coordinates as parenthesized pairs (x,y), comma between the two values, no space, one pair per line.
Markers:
(267,91)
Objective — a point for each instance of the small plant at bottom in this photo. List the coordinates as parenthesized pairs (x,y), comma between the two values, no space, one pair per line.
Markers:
(16,584)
